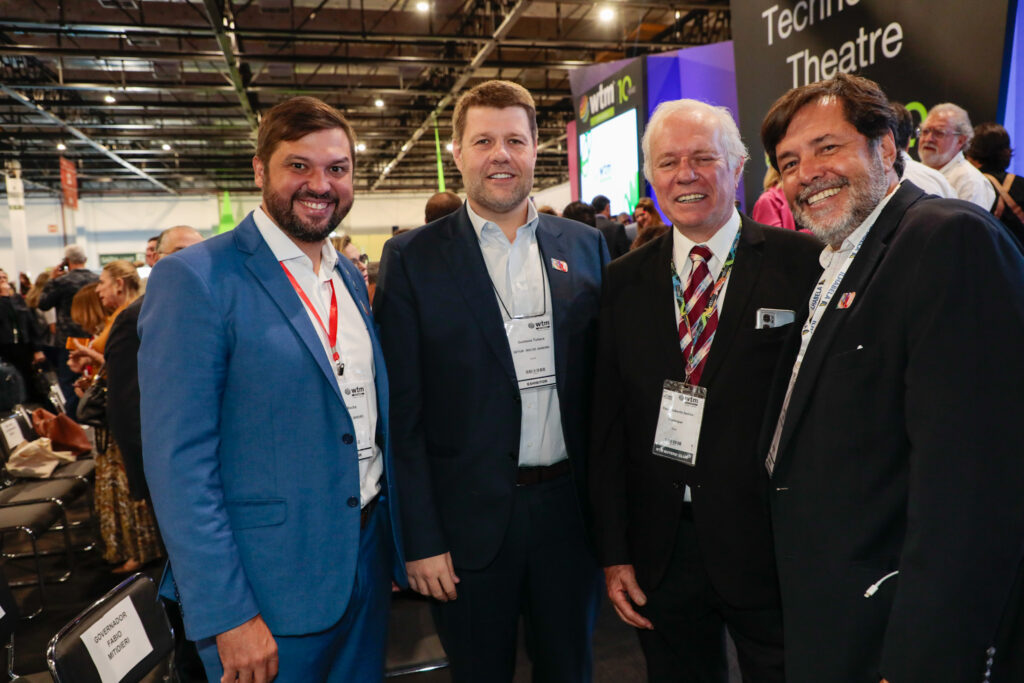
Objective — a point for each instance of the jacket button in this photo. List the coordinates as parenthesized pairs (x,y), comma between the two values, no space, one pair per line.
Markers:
(346,439)
(353,502)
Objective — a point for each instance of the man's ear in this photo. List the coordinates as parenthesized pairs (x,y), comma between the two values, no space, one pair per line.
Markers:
(257,169)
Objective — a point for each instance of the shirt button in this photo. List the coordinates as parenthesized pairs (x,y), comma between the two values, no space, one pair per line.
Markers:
(346,439)
(353,502)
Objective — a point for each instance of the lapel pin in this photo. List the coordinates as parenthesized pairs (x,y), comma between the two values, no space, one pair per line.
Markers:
(560,265)
(846,300)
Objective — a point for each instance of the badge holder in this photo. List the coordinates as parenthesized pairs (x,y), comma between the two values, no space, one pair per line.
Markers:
(679,419)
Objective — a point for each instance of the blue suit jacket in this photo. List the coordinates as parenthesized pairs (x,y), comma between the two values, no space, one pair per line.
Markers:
(248,447)
(455,400)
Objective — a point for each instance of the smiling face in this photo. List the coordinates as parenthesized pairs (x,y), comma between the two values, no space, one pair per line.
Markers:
(832,175)
(307,184)
(690,174)
(939,140)
(496,156)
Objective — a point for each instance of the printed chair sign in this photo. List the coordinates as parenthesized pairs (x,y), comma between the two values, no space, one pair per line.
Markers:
(117,642)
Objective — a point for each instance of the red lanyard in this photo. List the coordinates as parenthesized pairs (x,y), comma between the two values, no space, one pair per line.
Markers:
(332,333)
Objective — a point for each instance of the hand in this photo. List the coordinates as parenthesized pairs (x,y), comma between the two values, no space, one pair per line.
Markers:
(248,652)
(433,577)
(622,589)
(84,351)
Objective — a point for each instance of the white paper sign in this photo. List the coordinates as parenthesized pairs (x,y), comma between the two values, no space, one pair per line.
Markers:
(12,433)
(117,642)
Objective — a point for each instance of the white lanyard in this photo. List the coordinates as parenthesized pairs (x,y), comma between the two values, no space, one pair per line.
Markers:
(818,304)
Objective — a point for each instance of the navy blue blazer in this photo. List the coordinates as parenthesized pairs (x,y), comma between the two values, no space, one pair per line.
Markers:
(248,448)
(455,402)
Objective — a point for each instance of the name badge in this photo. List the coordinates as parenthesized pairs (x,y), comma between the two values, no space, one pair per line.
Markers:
(357,402)
(682,409)
(532,342)
(117,642)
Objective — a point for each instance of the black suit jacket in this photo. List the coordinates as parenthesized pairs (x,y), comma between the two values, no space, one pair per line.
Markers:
(901,451)
(123,418)
(455,403)
(637,496)
(614,235)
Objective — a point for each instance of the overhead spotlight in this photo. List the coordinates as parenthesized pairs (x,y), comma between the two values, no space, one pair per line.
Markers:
(360,147)
(423,6)
(449,147)
(678,15)
(379,103)
(61,146)
(606,14)
(165,147)
(109,99)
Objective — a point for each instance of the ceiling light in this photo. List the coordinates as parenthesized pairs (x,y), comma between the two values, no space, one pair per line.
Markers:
(109,99)
(379,103)
(165,147)
(61,146)
(607,14)
(449,147)
(423,6)
(106,179)
(360,147)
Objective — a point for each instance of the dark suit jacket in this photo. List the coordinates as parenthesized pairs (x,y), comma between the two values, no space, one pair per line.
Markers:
(121,357)
(901,451)
(637,496)
(614,235)
(454,395)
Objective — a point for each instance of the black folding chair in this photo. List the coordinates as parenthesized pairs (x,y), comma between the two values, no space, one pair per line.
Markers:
(413,644)
(129,634)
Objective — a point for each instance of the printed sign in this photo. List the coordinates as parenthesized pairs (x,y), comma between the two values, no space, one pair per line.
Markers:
(117,642)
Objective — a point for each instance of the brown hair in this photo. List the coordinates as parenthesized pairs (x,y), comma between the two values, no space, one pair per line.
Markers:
(865,105)
(990,146)
(87,309)
(125,271)
(496,94)
(647,204)
(32,298)
(296,118)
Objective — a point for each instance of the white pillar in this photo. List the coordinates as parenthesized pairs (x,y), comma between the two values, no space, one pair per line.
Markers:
(19,231)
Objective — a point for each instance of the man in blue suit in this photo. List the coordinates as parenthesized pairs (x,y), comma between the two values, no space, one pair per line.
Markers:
(488,319)
(265,425)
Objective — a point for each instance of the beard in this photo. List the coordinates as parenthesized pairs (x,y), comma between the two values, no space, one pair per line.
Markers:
(282,210)
(498,202)
(864,193)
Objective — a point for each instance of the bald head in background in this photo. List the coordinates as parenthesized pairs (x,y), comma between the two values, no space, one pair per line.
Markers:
(440,205)
(175,239)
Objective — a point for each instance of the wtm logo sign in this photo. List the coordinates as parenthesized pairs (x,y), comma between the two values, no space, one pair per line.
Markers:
(600,105)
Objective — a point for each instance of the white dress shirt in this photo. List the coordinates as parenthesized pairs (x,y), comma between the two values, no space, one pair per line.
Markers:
(927,178)
(353,339)
(719,244)
(521,288)
(969,183)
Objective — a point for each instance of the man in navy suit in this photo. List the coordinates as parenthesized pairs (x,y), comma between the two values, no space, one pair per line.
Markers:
(488,319)
(265,425)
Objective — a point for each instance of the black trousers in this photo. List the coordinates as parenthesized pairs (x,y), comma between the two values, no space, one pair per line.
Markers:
(543,572)
(687,644)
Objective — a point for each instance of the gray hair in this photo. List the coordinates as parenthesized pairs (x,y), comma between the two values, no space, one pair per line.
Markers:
(74,253)
(958,115)
(735,150)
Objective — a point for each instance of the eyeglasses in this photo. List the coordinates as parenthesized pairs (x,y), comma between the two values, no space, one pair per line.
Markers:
(936,133)
(362,258)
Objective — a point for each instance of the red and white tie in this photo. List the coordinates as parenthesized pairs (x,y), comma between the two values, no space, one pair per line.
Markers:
(696,336)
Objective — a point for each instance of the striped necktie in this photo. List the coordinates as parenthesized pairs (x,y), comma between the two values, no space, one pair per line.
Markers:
(696,336)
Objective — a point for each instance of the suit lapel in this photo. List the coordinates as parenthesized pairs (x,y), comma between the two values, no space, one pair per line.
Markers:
(552,249)
(466,265)
(267,271)
(660,307)
(856,280)
(745,271)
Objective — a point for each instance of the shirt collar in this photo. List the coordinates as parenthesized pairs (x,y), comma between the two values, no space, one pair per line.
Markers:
(957,159)
(855,237)
(283,249)
(720,243)
(481,224)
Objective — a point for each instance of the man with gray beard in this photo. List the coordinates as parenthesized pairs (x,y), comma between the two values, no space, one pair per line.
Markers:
(897,485)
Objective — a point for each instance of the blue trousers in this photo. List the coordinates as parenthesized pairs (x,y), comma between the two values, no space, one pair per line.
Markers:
(351,651)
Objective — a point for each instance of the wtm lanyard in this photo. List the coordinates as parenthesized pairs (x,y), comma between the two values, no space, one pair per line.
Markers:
(677,286)
(819,303)
(332,331)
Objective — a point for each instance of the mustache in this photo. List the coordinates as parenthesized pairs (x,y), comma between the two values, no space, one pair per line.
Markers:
(820,185)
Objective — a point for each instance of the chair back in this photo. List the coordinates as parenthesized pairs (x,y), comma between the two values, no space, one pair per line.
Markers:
(9,612)
(121,638)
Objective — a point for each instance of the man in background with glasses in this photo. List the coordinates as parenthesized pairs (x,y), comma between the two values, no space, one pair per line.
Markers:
(943,136)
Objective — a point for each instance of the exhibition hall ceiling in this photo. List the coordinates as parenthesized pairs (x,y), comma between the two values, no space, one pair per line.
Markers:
(163,96)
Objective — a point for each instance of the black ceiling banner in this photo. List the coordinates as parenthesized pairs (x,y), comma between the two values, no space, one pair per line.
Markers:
(921,53)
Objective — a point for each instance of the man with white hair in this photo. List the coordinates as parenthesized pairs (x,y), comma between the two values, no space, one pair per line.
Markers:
(691,329)
(69,276)
(945,134)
